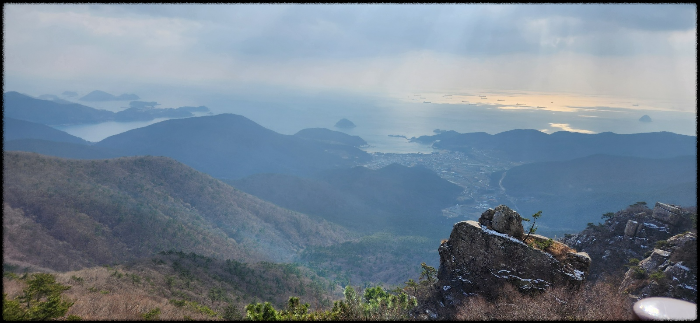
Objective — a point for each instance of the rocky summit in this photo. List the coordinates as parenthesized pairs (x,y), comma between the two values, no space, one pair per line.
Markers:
(479,258)
(671,270)
(628,234)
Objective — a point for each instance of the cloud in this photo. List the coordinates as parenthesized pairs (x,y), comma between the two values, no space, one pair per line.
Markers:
(629,50)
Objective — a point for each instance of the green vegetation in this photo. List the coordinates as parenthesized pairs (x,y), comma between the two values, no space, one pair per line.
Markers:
(532,228)
(543,244)
(377,258)
(595,227)
(375,304)
(151,315)
(608,215)
(657,276)
(40,300)
(639,204)
(638,272)
(428,274)
(662,244)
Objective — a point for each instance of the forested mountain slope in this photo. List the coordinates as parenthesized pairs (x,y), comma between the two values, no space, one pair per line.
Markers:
(66,214)
(398,199)
(232,146)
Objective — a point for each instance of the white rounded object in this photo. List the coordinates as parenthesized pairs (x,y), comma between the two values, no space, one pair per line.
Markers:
(664,308)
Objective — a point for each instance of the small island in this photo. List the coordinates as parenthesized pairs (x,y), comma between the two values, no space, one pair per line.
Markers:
(345,124)
(645,118)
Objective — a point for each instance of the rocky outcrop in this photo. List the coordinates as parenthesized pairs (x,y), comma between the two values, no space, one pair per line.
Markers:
(479,258)
(503,220)
(629,233)
(667,213)
(670,271)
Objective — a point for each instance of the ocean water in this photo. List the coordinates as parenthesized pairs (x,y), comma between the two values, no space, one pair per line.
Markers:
(378,117)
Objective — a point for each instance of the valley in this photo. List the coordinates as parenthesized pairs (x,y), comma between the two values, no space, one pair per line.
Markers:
(472,172)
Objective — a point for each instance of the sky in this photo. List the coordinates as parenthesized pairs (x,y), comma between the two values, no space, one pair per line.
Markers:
(630,52)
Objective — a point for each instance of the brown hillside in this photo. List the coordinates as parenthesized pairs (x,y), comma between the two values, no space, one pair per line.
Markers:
(183,286)
(81,213)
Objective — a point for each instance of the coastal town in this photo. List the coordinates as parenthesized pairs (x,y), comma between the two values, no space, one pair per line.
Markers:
(474,172)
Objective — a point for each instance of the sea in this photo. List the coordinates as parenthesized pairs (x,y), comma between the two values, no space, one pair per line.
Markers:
(388,121)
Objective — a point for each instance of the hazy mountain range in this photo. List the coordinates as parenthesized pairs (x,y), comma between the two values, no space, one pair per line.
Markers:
(54,112)
(535,146)
(98,95)
(574,192)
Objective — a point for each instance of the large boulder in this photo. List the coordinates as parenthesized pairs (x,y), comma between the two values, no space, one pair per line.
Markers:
(479,260)
(667,213)
(503,220)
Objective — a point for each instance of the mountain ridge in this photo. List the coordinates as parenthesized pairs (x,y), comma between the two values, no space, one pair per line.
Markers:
(529,145)
(232,146)
(117,209)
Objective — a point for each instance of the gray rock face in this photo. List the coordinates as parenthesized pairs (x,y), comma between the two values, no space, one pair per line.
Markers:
(631,228)
(628,234)
(503,220)
(667,213)
(667,273)
(478,260)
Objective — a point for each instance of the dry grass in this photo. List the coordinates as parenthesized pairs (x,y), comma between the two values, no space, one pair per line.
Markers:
(182,287)
(99,296)
(594,302)
(556,249)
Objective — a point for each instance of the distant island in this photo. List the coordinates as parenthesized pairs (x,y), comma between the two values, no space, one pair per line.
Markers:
(345,124)
(98,96)
(645,118)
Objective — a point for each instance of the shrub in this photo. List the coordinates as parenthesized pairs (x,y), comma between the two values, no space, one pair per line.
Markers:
(638,272)
(79,280)
(543,244)
(151,315)
(178,302)
(231,313)
(662,244)
(657,276)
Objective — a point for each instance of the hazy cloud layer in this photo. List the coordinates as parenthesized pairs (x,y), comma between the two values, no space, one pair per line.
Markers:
(629,50)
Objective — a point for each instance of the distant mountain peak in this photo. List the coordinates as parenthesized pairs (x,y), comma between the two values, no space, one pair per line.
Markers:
(345,124)
(645,118)
(98,95)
